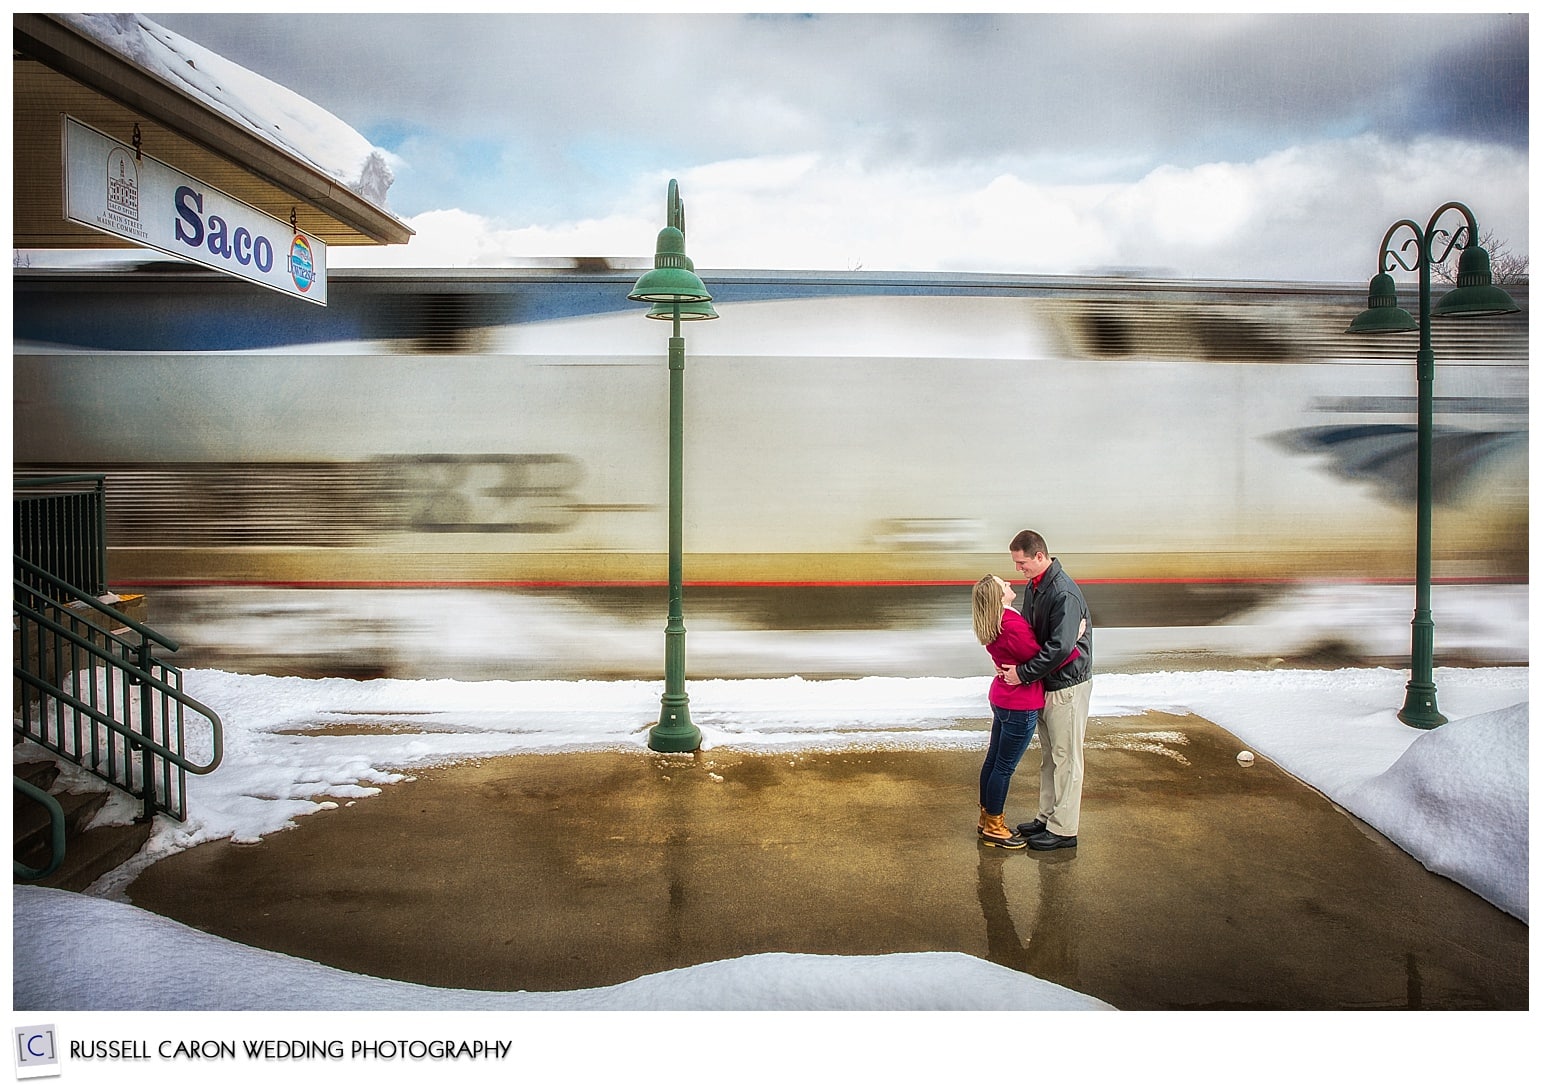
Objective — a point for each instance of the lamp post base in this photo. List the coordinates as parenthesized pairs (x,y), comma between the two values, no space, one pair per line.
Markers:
(675,733)
(1419,708)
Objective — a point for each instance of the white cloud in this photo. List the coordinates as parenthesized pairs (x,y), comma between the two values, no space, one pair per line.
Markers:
(751,175)
(1316,212)
(456,238)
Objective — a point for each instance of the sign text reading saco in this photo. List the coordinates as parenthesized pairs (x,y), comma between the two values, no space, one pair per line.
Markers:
(223,242)
(108,187)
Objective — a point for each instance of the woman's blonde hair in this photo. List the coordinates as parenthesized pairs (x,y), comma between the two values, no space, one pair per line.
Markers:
(989,601)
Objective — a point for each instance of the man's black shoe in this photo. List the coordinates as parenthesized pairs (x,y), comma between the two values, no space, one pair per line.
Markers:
(1048,841)
(1032,828)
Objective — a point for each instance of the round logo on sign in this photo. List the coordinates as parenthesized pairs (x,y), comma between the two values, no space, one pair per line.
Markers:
(302,266)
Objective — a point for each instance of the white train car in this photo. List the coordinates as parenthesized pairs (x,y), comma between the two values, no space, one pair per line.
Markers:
(510,428)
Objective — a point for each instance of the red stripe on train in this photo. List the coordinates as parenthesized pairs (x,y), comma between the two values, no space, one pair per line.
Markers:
(172,582)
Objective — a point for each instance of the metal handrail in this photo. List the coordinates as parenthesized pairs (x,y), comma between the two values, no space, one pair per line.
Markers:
(56,832)
(57,526)
(139,674)
(101,607)
(133,736)
(55,480)
(119,654)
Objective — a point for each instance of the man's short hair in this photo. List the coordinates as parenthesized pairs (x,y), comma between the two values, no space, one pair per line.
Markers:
(1030,543)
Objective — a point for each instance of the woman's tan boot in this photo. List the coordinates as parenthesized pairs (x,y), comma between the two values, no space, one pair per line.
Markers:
(997,835)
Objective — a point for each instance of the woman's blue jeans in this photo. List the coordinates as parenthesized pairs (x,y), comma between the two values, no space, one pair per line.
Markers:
(1011,731)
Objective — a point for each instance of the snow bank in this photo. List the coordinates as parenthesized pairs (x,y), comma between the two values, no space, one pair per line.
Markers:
(177,967)
(1458,801)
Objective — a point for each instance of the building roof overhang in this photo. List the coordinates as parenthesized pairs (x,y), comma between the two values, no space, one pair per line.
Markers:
(57,70)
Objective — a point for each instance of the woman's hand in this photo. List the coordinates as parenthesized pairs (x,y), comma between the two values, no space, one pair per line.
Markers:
(1009,674)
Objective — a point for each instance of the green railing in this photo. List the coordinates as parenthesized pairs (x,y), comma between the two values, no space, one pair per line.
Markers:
(61,526)
(90,688)
(56,833)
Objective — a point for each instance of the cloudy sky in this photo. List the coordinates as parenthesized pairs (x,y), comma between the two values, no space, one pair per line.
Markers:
(1230,146)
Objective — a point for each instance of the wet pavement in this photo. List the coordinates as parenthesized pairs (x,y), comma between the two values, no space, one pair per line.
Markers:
(1198,884)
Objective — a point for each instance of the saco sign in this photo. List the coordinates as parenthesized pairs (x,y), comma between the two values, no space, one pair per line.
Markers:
(141,199)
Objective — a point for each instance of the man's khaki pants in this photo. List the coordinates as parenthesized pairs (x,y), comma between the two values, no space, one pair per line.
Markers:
(1062,730)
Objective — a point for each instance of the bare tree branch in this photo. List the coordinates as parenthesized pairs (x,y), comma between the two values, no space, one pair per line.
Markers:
(1509,269)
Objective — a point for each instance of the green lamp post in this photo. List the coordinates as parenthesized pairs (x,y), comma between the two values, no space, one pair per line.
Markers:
(676,295)
(1475,295)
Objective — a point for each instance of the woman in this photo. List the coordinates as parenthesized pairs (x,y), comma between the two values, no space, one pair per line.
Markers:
(1009,639)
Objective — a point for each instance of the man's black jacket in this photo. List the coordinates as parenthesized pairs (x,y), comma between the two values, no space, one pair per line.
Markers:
(1055,609)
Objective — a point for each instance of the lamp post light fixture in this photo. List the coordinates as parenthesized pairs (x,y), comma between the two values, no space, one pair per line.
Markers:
(1475,295)
(676,295)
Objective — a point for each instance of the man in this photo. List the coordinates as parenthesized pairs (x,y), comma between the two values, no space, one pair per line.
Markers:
(1054,606)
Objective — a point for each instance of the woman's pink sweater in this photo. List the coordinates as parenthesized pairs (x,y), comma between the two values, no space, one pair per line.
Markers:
(1015,645)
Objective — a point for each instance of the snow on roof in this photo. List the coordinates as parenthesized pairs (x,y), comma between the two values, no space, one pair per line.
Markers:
(288,120)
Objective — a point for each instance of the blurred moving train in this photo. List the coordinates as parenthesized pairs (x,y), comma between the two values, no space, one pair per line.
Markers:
(510,428)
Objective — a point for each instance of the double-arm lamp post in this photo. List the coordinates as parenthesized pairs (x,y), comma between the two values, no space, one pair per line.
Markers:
(676,295)
(1475,295)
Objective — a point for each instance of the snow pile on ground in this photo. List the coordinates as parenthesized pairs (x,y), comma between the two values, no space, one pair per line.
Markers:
(176,967)
(276,113)
(1458,799)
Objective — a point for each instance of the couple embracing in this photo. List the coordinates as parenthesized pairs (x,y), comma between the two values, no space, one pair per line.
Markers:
(1043,655)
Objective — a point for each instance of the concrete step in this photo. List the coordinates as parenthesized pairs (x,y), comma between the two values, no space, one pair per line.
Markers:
(32,826)
(88,854)
(40,774)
